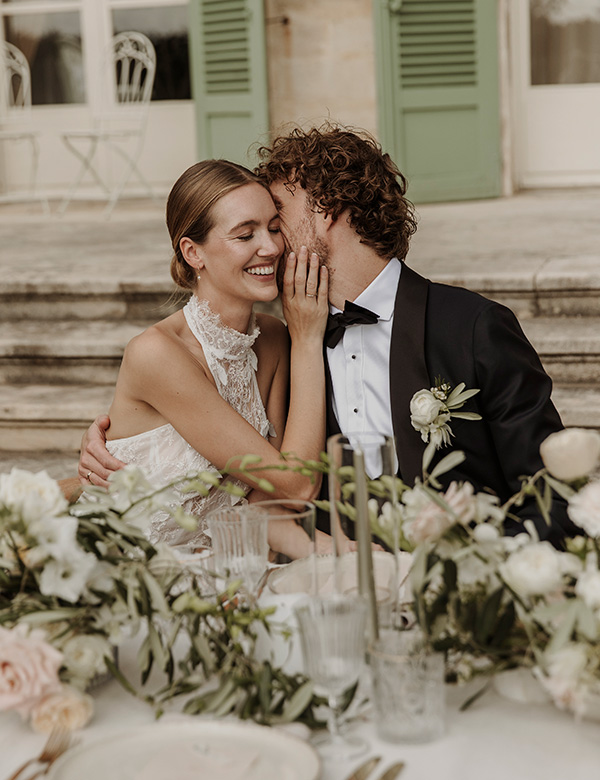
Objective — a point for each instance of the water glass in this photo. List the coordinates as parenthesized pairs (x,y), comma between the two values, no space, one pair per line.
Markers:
(333,639)
(240,546)
(408,687)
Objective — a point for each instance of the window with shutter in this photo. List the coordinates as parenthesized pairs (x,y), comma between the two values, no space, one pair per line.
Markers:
(439,95)
(229,77)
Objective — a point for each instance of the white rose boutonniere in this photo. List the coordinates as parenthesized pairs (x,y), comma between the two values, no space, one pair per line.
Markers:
(431,410)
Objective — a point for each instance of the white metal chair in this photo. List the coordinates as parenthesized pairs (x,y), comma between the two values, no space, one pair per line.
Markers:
(15,107)
(131,66)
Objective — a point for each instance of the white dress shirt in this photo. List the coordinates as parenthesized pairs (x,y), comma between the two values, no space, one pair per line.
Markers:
(359,363)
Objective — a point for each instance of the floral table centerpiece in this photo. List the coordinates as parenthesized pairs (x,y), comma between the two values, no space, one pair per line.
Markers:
(493,602)
(76,580)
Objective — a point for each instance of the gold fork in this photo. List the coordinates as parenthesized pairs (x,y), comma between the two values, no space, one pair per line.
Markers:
(58,741)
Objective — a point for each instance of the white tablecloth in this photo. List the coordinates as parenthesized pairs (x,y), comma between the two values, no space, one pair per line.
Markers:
(495,739)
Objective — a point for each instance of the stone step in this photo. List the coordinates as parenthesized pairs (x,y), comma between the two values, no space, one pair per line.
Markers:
(562,289)
(99,299)
(36,352)
(569,347)
(90,352)
(40,418)
(49,417)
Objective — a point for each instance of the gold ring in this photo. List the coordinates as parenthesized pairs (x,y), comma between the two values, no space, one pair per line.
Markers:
(88,475)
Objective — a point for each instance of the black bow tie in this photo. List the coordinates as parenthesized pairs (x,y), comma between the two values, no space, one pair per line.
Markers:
(352,315)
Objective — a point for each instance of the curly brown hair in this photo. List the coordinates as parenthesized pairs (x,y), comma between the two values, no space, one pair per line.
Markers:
(346,170)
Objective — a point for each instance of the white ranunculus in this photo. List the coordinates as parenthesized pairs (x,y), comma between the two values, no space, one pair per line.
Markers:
(584,509)
(31,495)
(533,570)
(66,577)
(84,655)
(67,708)
(571,454)
(424,409)
(588,588)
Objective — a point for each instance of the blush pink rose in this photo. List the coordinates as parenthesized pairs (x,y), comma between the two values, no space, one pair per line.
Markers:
(66,708)
(28,668)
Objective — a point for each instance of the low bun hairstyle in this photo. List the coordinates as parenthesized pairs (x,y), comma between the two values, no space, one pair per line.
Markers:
(190,208)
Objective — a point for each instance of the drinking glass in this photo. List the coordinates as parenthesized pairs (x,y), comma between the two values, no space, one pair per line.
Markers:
(333,640)
(301,514)
(408,687)
(240,546)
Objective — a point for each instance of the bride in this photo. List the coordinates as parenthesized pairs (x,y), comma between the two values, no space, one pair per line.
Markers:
(210,383)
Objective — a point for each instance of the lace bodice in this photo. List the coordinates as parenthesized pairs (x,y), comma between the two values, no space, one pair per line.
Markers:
(165,455)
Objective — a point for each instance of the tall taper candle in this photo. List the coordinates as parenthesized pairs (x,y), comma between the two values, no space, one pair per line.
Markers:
(366,582)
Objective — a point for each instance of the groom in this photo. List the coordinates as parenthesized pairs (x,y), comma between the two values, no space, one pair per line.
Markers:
(339,195)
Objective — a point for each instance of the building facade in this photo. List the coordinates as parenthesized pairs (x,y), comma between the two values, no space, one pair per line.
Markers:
(472,98)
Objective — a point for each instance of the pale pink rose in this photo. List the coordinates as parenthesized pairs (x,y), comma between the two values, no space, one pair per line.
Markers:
(67,708)
(28,668)
(430,520)
(429,524)
(461,499)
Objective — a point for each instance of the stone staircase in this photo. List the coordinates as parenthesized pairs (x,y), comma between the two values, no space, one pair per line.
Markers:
(75,293)
(58,369)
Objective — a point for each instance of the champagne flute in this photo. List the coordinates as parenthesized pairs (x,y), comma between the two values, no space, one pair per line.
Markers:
(333,640)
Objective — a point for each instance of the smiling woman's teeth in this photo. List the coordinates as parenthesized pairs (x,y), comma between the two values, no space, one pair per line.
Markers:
(263,270)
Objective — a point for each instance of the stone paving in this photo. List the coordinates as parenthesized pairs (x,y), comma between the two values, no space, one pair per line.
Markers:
(530,239)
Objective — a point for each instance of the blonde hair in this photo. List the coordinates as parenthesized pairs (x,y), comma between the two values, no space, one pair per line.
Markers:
(190,208)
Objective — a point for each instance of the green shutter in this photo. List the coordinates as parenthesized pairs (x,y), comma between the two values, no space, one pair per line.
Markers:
(438,95)
(229,77)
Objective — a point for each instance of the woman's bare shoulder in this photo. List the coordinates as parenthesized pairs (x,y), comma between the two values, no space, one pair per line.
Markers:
(158,347)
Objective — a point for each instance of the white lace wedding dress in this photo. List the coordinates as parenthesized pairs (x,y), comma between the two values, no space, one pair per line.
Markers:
(164,455)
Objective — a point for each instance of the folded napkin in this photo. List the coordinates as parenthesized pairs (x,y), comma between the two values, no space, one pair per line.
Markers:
(197,762)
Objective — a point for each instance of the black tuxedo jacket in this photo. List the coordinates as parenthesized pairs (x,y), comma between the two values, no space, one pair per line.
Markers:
(460,336)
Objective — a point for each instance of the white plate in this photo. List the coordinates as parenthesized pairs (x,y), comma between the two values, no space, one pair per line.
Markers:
(191,750)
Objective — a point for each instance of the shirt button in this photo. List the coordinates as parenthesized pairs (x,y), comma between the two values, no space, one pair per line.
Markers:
(353,357)
(355,411)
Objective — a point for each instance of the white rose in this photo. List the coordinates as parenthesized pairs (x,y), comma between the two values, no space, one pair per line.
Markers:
(31,495)
(564,678)
(66,708)
(588,588)
(584,509)
(571,454)
(424,409)
(533,570)
(485,533)
(28,668)
(84,655)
